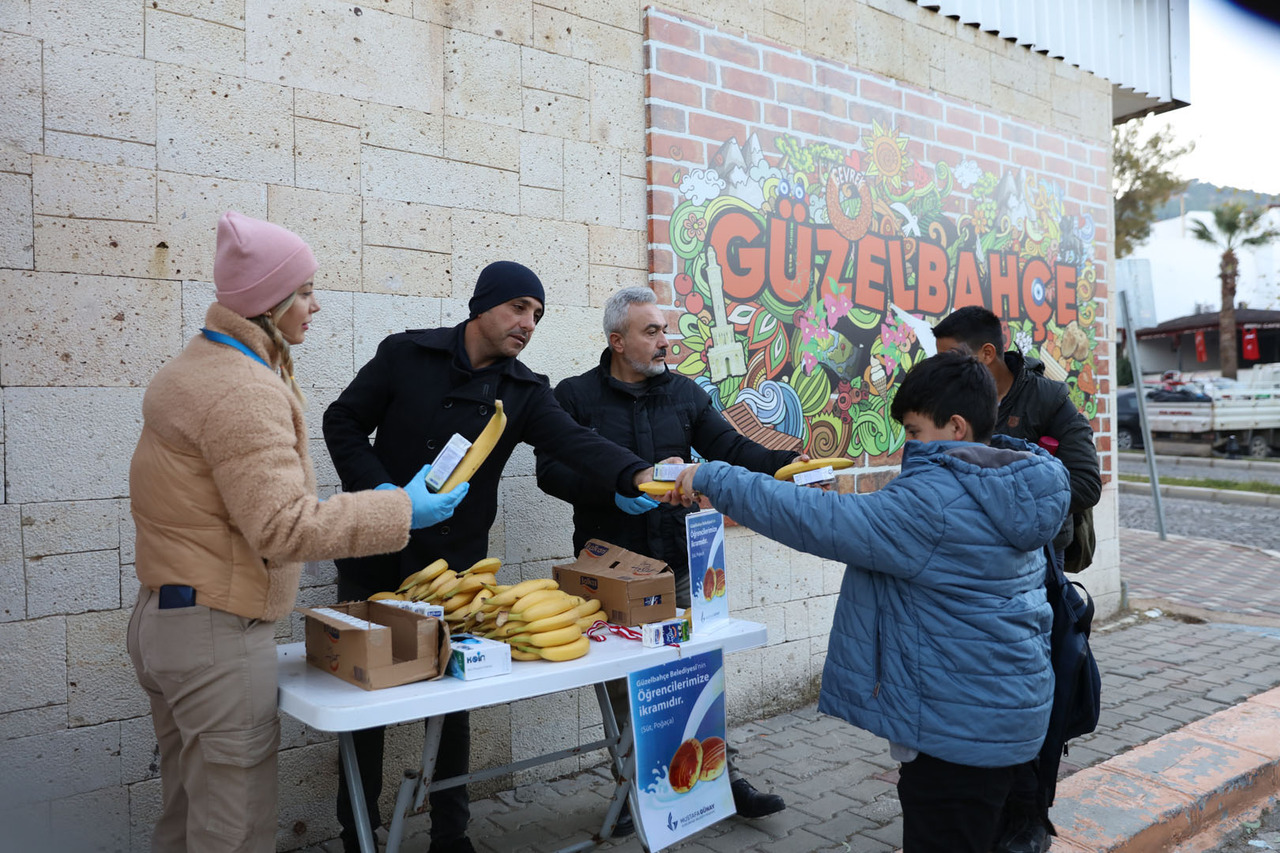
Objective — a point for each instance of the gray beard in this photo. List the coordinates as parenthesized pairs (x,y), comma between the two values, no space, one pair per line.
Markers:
(647,368)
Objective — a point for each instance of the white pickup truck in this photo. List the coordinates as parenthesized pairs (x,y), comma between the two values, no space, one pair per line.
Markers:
(1215,411)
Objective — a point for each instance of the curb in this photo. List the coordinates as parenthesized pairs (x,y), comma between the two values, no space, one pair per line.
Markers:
(1245,464)
(1175,787)
(1197,493)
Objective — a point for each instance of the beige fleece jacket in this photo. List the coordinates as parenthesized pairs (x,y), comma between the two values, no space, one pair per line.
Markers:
(221,485)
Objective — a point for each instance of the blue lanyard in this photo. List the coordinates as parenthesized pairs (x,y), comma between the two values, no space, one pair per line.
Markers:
(218,337)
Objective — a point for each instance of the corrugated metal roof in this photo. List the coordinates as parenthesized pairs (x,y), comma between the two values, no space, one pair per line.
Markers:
(1142,47)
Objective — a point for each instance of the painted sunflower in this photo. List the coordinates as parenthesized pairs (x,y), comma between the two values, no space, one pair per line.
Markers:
(886,155)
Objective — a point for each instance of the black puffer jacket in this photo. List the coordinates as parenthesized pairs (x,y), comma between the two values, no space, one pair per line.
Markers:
(667,415)
(417,391)
(1037,406)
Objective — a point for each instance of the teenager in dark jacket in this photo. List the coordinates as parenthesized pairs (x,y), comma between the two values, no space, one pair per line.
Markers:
(633,399)
(419,389)
(1032,407)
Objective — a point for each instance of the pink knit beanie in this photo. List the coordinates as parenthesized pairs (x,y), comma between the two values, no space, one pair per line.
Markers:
(258,264)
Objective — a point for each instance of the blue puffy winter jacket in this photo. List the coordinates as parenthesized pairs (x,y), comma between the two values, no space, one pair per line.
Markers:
(941,633)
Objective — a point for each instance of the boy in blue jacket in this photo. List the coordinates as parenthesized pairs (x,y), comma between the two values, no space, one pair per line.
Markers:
(940,641)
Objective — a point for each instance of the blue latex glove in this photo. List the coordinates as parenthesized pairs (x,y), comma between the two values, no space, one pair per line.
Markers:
(635,506)
(429,508)
(382,487)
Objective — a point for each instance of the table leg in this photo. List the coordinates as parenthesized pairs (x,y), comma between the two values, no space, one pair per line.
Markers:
(347,747)
(621,753)
(415,782)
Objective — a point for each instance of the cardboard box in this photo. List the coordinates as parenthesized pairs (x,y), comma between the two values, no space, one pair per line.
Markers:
(373,645)
(473,657)
(633,589)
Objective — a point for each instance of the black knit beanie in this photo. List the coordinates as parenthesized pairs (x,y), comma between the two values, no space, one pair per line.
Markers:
(501,282)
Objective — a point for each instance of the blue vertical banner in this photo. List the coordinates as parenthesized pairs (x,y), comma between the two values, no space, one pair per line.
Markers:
(707,578)
(682,778)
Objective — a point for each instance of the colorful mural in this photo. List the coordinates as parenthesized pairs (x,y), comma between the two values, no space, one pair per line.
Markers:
(810,278)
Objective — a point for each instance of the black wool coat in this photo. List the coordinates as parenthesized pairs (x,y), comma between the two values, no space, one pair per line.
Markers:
(418,391)
(667,415)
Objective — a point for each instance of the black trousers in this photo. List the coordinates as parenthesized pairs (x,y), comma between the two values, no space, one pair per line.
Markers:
(450,808)
(951,808)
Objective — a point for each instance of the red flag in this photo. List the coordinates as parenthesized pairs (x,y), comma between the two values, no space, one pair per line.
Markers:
(1202,354)
(1251,343)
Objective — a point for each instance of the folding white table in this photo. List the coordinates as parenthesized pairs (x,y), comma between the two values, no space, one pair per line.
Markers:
(330,704)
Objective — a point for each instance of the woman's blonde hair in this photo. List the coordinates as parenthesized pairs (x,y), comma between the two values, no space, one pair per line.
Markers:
(267,322)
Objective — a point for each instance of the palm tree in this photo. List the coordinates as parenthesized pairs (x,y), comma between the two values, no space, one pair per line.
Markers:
(1234,226)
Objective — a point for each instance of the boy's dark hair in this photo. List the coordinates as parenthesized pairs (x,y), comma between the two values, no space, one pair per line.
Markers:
(946,384)
(972,325)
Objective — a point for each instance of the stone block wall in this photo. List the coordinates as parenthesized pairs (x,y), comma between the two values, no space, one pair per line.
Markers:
(410,142)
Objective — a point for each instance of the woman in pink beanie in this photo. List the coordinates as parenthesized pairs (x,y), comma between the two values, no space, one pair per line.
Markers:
(224,500)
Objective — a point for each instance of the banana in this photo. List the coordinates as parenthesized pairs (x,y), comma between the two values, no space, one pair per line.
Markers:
(786,472)
(476,603)
(419,592)
(386,596)
(547,639)
(543,609)
(510,596)
(469,583)
(550,623)
(432,570)
(521,654)
(442,580)
(657,488)
(458,604)
(536,596)
(568,651)
(489,565)
(510,629)
(588,607)
(479,449)
(585,622)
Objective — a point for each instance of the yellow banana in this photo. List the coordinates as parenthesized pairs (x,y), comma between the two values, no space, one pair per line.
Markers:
(657,488)
(479,449)
(521,654)
(431,572)
(588,607)
(468,583)
(585,622)
(568,651)
(543,609)
(536,596)
(547,639)
(458,604)
(480,598)
(550,623)
(513,594)
(442,580)
(488,566)
(510,629)
(419,592)
(786,472)
(386,596)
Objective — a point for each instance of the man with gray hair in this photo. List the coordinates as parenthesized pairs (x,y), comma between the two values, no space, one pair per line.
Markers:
(632,399)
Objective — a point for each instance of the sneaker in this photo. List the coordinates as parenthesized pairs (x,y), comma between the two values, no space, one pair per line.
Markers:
(1024,834)
(752,803)
(461,844)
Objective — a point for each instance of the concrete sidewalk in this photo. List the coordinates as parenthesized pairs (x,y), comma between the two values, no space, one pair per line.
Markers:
(1180,744)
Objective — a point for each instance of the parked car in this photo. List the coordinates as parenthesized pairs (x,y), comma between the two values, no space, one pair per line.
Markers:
(1128,424)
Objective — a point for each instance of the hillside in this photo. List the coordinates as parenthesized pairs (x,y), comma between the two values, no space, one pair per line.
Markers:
(1202,196)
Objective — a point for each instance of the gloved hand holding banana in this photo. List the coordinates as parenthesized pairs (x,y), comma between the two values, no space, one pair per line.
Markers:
(430,508)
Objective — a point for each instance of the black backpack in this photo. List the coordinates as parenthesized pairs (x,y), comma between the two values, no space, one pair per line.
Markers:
(1077,688)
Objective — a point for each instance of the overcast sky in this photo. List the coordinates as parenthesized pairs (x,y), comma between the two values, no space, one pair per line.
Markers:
(1234,116)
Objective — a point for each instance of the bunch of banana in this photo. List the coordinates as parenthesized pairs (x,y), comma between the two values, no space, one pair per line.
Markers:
(537,619)
(460,593)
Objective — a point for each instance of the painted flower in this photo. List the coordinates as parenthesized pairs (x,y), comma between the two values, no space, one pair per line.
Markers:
(808,361)
(967,173)
(1022,340)
(695,227)
(886,154)
(810,326)
(837,304)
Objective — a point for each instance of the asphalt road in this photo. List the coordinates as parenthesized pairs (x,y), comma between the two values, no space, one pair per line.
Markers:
(1267,471)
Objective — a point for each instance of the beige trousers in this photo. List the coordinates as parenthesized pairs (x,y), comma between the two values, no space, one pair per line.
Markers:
(211,679)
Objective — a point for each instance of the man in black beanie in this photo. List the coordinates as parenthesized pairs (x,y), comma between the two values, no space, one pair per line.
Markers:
(420,388)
